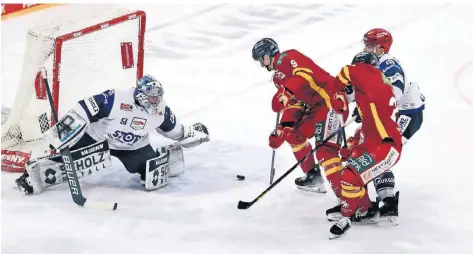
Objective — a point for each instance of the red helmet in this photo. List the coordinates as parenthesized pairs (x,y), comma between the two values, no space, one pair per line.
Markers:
(378,36)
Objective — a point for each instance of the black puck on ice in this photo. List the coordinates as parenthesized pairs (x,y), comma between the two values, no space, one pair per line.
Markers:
(241,177)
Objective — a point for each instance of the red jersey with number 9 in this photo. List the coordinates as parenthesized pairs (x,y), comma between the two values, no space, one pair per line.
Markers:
(304,78)
(375,100)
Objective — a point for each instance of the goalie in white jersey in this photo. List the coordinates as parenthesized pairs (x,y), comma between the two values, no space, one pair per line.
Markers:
(116,123)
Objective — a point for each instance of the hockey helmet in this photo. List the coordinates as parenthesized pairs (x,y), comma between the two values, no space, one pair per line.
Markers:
(378,36)
(367,58)
(148,92)
(264,50)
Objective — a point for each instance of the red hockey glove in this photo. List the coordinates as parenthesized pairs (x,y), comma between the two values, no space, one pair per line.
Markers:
(275,141)
(345,152)
(281,99)
(340,104)
(352,142)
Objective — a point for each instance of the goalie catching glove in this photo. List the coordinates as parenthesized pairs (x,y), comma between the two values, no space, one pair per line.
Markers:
(194,135)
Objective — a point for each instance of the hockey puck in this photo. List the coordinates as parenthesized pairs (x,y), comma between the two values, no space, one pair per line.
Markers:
(241,177)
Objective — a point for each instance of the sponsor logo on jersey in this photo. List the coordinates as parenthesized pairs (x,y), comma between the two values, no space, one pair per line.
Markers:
(138,123)
(382,166)
(362,163)
(403,123)
(396,77)
(92,106)
(126,107)
(128,138)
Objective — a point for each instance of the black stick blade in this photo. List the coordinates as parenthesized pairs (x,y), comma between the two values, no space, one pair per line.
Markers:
(244,205)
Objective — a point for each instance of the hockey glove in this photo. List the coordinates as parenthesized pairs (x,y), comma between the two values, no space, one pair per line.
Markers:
(195,135)
(352,142)
(340,104)
(345,152)
(281,99)
(276,140)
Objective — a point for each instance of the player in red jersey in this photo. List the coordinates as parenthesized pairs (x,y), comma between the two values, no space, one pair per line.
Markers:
(376,146)
(304,103)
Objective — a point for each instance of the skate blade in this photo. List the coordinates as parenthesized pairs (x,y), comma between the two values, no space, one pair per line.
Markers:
(366,222)
(312,189)
(332,236)
(388,221)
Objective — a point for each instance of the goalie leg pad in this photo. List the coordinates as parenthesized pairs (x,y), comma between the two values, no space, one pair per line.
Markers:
(48,171)
(157,171)
(176,158)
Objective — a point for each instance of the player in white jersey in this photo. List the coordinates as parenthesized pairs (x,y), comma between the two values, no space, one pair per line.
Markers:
(116,123)
(410,103)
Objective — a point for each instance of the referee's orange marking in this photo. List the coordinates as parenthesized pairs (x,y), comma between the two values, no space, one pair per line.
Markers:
(27,10)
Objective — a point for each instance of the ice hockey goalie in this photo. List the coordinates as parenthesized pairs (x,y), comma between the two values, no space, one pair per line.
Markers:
(117,123)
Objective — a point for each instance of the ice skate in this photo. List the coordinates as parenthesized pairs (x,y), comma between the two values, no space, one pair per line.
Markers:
(312,181)
(340,228)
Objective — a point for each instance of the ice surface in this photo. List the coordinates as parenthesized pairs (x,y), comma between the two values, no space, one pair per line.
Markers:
(201,53)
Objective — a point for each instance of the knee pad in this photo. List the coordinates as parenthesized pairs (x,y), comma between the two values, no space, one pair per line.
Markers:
(351,185)
(353,193)
(326,152)
(332,166)
(384,185)
(333,169)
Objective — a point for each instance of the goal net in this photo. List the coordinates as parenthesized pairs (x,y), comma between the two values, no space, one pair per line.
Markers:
(85,51)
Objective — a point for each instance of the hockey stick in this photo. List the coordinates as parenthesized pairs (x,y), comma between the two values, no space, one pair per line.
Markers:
(345,145)
(68,162)
(245,205)
(273,170)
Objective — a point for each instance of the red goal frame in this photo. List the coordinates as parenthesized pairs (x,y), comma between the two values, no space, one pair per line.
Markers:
(141,15)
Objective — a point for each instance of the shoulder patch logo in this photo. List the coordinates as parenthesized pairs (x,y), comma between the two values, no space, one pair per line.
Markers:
(92,106)
(283,54)
(126,107)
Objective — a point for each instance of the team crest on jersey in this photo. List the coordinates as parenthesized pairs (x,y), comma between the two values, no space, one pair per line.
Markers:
(279,75)
(138,123)
(126,107)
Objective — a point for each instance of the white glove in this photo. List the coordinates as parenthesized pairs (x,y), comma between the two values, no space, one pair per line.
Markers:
(195,135)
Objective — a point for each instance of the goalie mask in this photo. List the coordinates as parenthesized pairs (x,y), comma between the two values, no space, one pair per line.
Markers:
(148,93)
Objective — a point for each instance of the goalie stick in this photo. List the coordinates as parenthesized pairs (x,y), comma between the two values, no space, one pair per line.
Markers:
(68,163)
(273,170)
(245,205)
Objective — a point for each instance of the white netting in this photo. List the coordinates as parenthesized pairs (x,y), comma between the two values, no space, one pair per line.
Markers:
(90,64)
